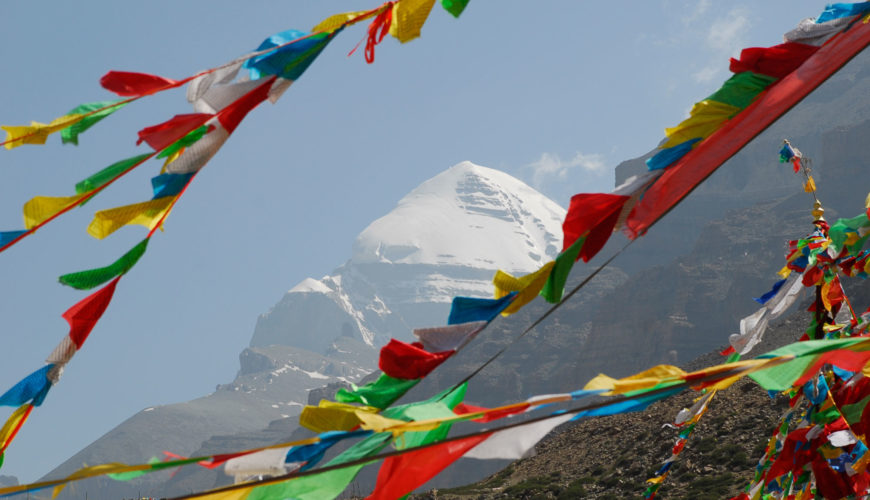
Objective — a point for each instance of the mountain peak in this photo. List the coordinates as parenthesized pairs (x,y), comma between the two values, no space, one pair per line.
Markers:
(468,215)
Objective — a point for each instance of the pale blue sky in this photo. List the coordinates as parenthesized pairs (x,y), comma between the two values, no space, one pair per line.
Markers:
(555,92)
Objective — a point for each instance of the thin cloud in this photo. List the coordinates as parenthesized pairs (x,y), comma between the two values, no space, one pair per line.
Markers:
(551,167)
(728,34)
(697,12)
(725,38)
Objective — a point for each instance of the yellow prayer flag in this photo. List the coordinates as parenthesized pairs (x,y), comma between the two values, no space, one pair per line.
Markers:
(18,135)
(37,133)
(528,286)
(657,479)
(642,380)
(94,470)
(784,272)
(148,214)
(63,122)
(171,158)
(705,118)
(332,416)
(239,494)
(13,423)
(409,17)
(378,423)
(810,186)
(336,21)
(826,289)
(41,208)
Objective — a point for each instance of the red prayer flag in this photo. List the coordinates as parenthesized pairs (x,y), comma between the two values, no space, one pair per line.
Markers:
(845,359)
(234,113)
(162,135)
(409,362)
(464,408)
(829,483)
(83,316)
(129,84)
(682,177)
(595,213)
(404,473)
(776,61)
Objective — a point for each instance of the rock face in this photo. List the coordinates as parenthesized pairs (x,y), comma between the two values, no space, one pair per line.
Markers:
(445,238)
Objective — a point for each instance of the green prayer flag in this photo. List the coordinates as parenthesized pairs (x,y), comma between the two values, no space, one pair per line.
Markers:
(438,406)
(107,174)
(852,413)
(454,7)
(380,393)
(555,285)
(840,231)
(71,133)
(741,89)
(191,137)
(783,376)
(126,476)
(85,280)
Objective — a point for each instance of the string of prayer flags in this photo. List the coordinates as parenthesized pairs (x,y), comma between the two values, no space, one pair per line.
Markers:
(789,153)
(187,142)
(427,422)
(42,209)
(686,420)
(758,110)
(32,390)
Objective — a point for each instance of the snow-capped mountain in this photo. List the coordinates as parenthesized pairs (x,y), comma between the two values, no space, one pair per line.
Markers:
(445,238)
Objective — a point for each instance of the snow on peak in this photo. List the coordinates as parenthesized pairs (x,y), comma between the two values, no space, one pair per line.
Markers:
(469,216)
(310,285)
